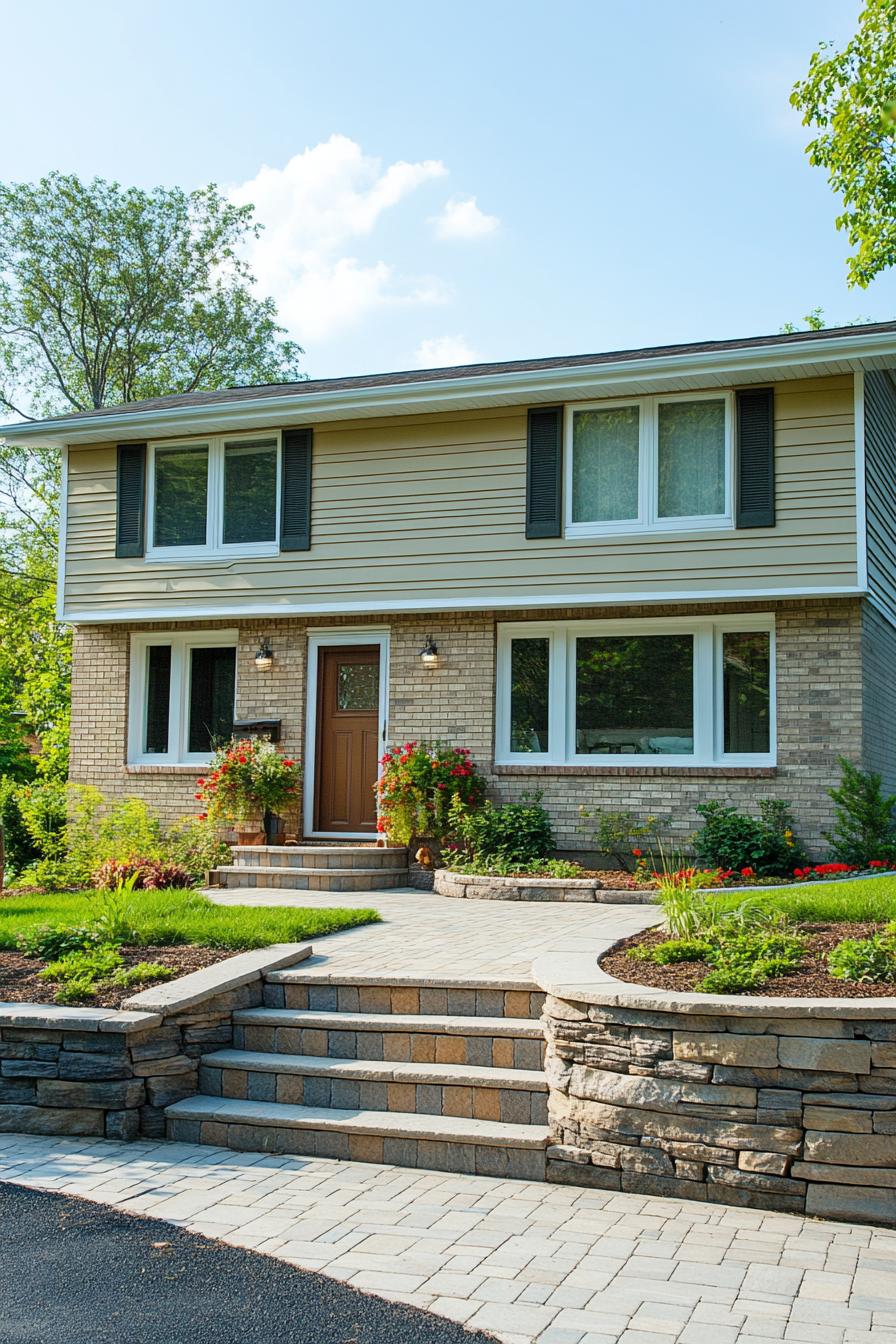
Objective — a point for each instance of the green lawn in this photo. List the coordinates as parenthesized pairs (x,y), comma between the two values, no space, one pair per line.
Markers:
(178,917)
(868,898)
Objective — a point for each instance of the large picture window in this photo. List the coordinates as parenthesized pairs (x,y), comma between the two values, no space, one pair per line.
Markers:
(182,696)
(658,462)
(214,498)
(671,691)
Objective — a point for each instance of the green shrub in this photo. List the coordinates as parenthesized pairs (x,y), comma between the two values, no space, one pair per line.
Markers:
(52,941)
(864,826)
(516,833)
(144,973)
(615,834)
(148,874)
(862,959)
(731,840)
(97,963)
(748,959)
(19,847)
(497,866)
(98,832)
(80,989)
(672,951)
(194,844)
(43,807)
(731,980)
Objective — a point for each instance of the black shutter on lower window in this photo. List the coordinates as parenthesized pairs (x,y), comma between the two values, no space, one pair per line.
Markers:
(131,499)
(544,476)
(295,494)
(756,457)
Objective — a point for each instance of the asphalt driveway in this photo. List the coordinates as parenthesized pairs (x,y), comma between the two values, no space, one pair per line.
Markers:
(73,1272)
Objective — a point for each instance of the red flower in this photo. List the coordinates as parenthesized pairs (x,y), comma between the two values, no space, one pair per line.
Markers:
(748,872)
(876,863)
(198,796)
(200,781)
(637,853)
(289,763)
(203,816)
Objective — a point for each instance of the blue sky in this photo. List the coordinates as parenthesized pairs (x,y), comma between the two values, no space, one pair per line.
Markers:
(486,180)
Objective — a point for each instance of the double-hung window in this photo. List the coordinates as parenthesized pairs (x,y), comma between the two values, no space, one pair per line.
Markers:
(182,696)
(672,691)
(660,463)
(213,498)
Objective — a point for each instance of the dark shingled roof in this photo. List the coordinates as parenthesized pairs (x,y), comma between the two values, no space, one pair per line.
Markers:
(308,386)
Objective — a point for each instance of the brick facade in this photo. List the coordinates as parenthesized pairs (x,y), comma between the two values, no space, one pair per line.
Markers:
(833,660)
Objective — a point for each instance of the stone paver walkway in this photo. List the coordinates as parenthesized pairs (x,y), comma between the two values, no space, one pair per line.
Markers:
(423,933)
(525,1261)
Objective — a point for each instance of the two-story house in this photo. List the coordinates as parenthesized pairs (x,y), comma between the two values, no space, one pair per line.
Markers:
(638,580)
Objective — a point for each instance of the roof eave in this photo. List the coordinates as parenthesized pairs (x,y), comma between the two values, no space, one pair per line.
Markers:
(512,386)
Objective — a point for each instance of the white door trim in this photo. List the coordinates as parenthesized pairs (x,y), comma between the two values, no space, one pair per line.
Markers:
(322,639)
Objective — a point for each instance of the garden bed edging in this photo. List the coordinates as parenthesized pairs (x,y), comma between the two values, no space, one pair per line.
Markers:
(466,886)
(771,1103)
(110,1073)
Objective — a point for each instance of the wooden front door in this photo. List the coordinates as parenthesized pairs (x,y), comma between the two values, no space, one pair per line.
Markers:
(348,732)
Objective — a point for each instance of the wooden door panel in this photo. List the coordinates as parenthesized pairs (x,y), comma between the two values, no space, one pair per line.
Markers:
(348,739)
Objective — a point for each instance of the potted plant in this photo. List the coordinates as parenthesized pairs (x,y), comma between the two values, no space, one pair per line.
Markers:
(422,787)
(249,783)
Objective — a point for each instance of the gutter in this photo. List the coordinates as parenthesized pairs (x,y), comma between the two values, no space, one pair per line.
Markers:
(512,387)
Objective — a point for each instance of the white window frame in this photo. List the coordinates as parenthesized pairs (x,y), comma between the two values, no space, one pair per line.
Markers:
(648,519)
(182,645)
(708,690)
(214,547)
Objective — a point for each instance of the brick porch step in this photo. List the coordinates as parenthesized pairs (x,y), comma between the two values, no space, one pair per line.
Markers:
(320,989)
(488,1042)
(319,856)
(285,878)
(436,1142)
(516,1096)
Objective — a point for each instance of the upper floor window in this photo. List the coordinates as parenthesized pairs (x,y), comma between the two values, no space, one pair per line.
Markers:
(214,497)
(657,462)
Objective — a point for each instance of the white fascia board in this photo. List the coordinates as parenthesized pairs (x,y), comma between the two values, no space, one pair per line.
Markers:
(477,390)
(177,612)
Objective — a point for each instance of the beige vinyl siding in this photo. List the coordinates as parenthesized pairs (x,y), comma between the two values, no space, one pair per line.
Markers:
(433,507)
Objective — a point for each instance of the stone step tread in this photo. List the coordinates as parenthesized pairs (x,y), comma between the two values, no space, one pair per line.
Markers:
(245,869)
(394,1124)
(381,1071)
(391,1023)
(316,970)
(313,849)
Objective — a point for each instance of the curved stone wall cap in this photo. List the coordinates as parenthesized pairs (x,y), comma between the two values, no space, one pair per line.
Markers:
(577,976)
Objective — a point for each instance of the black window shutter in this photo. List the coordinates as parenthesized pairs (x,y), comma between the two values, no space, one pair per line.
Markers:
(756,457)
(544,477)
(295,493)
(129,523)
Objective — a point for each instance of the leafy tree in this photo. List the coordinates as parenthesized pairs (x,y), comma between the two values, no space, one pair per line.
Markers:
(107,294)
(849,98)
(112,294)
(864,823)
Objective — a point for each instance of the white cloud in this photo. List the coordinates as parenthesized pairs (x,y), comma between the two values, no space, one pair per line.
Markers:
(441,351)
(314,210)
(464,219)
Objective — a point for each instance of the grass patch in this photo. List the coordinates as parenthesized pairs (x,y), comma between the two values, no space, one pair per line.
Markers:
(867,898)
(172,918)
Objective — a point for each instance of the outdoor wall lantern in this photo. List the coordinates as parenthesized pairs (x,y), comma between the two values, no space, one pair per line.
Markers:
(264,658)
(429,654)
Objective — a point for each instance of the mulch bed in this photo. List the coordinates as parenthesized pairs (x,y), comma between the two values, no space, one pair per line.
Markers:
(20,983)
(811,981)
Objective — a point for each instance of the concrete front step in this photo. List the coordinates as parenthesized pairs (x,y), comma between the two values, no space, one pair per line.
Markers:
(487,1042)
(319,856)
(238,876)
(325,991)
(516,1096)
(436,1142)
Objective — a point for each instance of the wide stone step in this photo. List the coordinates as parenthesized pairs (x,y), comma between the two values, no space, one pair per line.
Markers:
(489,1042)
(513,1096)
(238,877)
(321,989)
(319,856)
(434,1142)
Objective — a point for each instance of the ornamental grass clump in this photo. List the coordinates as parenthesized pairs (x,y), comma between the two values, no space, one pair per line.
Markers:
(422,786)
(248,778)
